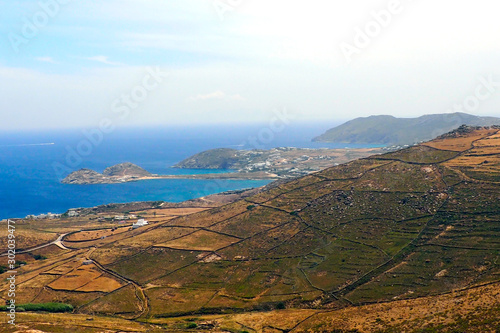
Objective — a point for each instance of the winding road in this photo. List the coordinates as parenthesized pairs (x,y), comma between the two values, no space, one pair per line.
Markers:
(57,242)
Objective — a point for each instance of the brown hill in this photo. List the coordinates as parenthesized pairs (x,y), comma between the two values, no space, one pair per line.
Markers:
(399,228)
(126,169)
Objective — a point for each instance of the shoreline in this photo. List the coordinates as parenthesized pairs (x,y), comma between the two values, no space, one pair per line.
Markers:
(270,164)
(54,216)
(205,176)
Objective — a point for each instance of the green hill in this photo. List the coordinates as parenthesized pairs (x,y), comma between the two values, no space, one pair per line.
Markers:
(390,130)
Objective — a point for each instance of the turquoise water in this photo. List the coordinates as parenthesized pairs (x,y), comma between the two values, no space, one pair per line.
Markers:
(30,182)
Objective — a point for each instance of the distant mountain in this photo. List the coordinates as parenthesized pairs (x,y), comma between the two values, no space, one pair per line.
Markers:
(390,130)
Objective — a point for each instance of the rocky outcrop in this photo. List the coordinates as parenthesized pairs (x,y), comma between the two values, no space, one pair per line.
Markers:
(84,176)
(119,173)
(126,169)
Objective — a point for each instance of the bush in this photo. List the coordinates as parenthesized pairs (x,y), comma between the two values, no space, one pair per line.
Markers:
(18,264)
(48,307)
(191,325)
(39,257)
(250,207)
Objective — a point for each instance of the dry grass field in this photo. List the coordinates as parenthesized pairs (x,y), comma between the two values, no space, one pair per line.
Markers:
(94,234)
(401,242)
(201,241)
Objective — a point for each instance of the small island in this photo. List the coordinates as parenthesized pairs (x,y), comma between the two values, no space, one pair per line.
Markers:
(120,173)
(128,172)
(256,164)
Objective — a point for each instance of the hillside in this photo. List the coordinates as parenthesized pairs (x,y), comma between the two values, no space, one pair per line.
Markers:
(219,158)
(398,242)
(125,169)
(389,130)
(283,161)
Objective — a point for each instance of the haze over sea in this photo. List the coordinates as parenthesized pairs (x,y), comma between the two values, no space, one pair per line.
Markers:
(30,185)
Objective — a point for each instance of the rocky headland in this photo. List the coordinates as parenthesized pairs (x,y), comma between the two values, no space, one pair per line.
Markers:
(257,164)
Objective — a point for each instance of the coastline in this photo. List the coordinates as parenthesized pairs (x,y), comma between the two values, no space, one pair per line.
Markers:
(205,201)
(206,176)
(271,164)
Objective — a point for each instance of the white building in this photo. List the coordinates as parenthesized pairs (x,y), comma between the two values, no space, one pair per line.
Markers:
(72,213)
(139,223)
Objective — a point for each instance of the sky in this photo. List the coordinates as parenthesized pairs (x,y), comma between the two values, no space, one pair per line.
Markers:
(67,64)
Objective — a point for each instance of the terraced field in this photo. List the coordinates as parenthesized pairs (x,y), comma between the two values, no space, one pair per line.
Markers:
(414,224)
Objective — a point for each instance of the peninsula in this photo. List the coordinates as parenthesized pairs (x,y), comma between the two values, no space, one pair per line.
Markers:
(257,164)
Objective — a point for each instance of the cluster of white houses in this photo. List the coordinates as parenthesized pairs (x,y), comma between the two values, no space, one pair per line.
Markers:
(44,216)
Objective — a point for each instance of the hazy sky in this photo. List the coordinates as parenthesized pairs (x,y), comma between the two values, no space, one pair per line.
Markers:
(149,62)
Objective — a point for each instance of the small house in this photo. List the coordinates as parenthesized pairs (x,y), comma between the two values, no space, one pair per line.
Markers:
(139,223)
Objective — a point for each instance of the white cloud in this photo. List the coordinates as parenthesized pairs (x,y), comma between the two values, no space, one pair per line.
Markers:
(266,53)
(46,59)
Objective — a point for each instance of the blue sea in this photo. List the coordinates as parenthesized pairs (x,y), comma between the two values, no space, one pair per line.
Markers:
(32,163)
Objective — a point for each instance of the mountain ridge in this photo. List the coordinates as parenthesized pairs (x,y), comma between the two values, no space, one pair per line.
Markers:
(389,130)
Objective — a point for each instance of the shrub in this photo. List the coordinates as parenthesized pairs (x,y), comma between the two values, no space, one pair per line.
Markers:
(191,325)
(48,307)
(39,257)
(4,268)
